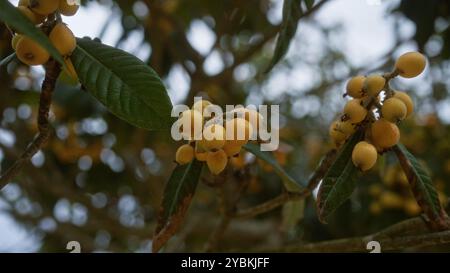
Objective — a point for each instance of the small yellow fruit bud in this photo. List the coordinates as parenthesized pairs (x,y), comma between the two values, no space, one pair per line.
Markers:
(201,105)
(394,110)
(66,9)
(364,156)
(63,39)
(185,154)
(374,84)
(355,87)
(411,64)
(216,161)
(355,111)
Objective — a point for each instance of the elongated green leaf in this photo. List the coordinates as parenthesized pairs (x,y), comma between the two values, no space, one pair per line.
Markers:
(339,181)
(289,183)
(124,84)
(16,20)
(177,197)
(309,4)
(291,13)
(422,186)
(8,59)
(293,212)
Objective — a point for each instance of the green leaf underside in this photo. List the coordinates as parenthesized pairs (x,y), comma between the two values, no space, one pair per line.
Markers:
(422,185)
(17,21)
(124,84)
(291,13)
(289,183)
(178,194)
(8,59)
(340,180)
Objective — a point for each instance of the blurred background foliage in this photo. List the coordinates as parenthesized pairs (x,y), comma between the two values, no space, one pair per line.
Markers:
(99,181)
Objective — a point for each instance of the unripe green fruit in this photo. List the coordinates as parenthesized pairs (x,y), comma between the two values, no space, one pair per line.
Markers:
(185,154)
(238,131)
(411,64)
(355,111)
(406,100)
(374,84)
(364,156)
(66,9)
(385,134)
(394,110)
(44,7)
(355,87)
(33,17)
(30,52)
(63,39)
(213,137)
(216,161)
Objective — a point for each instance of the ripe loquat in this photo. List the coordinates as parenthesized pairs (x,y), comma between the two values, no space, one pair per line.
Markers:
(201,105)
(33,17)
(385,134)
(406,100)
(16,38)
(410,64)
(238,131)
(231,149)
(192,124)
(30,52)
(67,9)
(23,3)
(213,137)
(374,84)
(364,156)
(63,39)
(355,87)
(216,161)
(44,7)
(355,111)
(185,154)
(394,110)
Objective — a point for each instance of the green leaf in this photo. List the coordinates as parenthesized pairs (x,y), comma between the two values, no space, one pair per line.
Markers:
(293,212)
(8,59)
(421,186)
(339,181)
(124,84)
(292,11)
(16,20)
(177,197)
(309,4)
(289,183)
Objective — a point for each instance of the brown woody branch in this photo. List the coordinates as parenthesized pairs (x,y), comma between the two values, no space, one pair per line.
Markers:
(52,71)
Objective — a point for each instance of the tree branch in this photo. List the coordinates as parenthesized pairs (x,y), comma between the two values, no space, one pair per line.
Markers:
(52,70)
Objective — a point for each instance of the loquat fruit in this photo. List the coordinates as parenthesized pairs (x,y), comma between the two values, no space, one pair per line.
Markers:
(32,16)
(231,149)
(385,134)
(63,39)
(201,156)
(374,84)
(201,105)
(213,137)
(250,115)
(238,131)
(192,124)
(355,111)
(15,39)
(30,52)
(216,161)
(44,7)
(410,64)
(406,100)
(184,154)
(355,87)
(67,9)
(23,3)
(364,156)
(394,110)
(238,162)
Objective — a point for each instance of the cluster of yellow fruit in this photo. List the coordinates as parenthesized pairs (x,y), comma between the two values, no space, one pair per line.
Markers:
(378,114)
(38,11)
(215,140)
